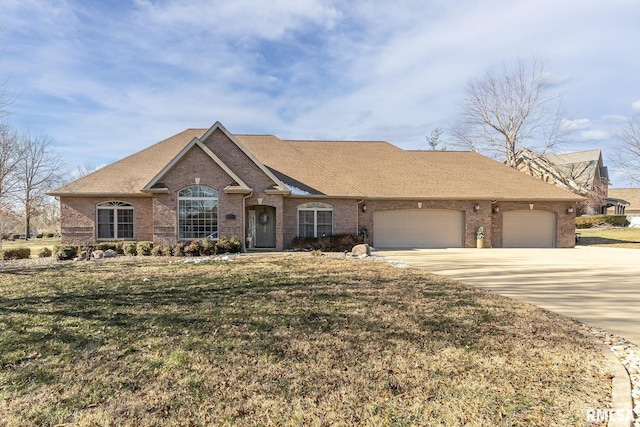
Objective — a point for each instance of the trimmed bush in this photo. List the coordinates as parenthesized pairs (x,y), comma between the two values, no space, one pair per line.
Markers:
(159,250)
(600,220)
(337,243)
(15,236)
(129,248)
(50,235)
(208,247)
(179,249)
(144,248)
(65,252)
(228,245)
(105,246)
(193,248)
(16,253)
(44,253)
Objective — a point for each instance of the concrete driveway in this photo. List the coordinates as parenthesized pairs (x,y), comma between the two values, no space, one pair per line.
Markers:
(597,286)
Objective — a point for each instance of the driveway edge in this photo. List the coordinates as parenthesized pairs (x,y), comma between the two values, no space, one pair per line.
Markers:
(621,403)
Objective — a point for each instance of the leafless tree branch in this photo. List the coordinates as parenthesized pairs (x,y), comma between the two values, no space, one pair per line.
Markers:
(507,110)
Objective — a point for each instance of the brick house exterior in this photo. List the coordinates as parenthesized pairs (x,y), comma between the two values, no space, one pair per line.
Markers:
(266,191)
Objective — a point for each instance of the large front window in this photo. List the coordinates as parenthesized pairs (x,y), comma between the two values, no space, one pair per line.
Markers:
(197,213)
(115,220)
(315,220)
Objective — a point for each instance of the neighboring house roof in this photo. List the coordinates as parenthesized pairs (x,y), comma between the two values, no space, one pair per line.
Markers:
(576,172)
(630,195)
(371,169)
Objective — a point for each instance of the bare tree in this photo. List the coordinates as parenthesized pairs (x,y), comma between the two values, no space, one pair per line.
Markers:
(629,148)
(38,171)
(434,139)
(10,154)
(505,111)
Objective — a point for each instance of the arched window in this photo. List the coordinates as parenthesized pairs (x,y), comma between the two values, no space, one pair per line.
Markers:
(315,220)
(115,220)
(197,213)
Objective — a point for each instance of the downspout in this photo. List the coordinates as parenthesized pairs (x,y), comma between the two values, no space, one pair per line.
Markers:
(358,216)
(244,221)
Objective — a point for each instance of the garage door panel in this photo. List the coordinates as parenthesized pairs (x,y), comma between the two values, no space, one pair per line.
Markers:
(418,228)
(529,229)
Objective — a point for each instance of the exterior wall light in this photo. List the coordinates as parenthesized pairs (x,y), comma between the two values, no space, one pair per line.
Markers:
(364,208)
(496,209)
(476,207)
(569,210)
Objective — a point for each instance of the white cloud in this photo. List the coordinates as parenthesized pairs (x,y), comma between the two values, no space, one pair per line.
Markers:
(119,77)
(635,106)
(578,124)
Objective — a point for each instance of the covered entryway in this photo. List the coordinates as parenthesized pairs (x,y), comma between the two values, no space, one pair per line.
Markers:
(418,228)
(529,229)
(261,227)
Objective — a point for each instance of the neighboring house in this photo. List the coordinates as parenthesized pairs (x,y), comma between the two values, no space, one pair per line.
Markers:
(267,191)
(632,197)
(582,173)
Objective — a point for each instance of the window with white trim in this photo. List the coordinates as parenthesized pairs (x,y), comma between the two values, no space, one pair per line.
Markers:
(197,213)
(315,220)
(115,220)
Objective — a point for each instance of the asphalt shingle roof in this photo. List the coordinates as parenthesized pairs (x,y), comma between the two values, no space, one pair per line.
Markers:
(373,169)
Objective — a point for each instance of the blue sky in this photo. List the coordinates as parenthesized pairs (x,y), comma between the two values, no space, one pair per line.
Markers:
(104,79)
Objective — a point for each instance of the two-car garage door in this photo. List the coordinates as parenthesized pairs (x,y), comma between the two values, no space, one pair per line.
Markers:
(418,228)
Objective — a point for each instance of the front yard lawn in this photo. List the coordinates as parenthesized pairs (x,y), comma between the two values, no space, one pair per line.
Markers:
(282,340)
(615,237)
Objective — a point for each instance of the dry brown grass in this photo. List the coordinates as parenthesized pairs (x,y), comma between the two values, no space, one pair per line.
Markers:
(613,237)
(284,340)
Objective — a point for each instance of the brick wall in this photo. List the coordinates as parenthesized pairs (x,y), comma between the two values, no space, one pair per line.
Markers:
(474,219)
(565,222)
(196,164)
(492,222)
(345,216)
(78,218)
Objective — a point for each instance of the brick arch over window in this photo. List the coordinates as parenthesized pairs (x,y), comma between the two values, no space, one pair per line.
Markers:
(315,219)
(197,213)
(115,220)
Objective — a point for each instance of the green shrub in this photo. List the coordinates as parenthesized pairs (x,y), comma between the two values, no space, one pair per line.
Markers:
(39,236)
(600,220)
(15,236)
(144,248)
(50,235)
(44,253)
(159,250)
(228,245)
(17,253)
(105,246)
(119,249)
(179,249)
(65,252)
(193,249)
(208,247)
(337,243)
(129,248)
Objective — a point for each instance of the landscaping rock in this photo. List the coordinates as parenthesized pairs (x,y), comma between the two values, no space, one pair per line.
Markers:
(97,254)
(361,250)
(110,253)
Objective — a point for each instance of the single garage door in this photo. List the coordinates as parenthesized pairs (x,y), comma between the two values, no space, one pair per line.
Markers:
(418,228)
(529,229)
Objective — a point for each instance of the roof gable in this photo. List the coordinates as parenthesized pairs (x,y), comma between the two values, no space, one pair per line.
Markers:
(195,142)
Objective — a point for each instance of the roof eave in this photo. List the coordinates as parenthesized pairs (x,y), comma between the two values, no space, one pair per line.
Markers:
(111,194)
